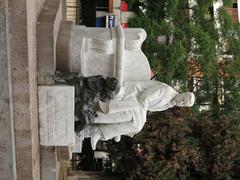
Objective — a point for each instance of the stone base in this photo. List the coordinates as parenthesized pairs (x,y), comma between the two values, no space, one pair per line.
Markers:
(49,164)
(64,153)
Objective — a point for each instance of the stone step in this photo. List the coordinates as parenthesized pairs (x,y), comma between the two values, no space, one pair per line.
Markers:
(48,26)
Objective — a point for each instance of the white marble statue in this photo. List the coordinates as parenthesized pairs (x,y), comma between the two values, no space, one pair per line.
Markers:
(116,52)
(126,113)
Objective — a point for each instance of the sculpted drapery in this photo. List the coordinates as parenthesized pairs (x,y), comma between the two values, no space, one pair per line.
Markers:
(125,114)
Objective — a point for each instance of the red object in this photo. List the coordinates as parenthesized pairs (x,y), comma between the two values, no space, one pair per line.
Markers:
(124,6)
(124,25)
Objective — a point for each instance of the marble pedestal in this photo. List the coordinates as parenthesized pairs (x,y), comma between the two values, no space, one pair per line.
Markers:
(56,115)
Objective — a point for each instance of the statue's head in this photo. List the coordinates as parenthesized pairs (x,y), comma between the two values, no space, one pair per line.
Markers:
(185,99)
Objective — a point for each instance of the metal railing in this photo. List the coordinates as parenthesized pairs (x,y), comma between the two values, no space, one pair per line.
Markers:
(73,11)
(82,12)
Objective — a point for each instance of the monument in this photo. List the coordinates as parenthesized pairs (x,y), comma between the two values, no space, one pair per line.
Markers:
(83,55)
(105,52)
(35,43)
(109,52)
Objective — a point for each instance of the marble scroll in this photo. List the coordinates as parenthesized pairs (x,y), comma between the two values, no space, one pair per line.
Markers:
(56,115)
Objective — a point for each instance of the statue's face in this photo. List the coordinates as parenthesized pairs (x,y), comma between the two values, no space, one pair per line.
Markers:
(184,99)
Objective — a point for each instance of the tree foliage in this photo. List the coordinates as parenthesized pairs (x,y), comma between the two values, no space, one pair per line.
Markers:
(197,38)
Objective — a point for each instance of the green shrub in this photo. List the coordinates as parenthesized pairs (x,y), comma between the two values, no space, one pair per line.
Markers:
(178,144)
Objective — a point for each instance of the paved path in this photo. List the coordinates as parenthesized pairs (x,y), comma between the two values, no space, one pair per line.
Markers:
(90,175)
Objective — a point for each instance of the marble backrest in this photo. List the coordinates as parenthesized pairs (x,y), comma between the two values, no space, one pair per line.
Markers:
(114,52)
